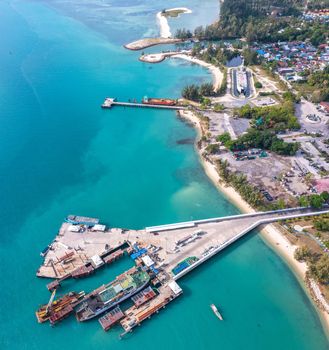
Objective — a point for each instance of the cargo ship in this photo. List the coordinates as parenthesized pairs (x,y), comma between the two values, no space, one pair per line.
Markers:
(184,264)
(110,295)
(159,101)
(58,309)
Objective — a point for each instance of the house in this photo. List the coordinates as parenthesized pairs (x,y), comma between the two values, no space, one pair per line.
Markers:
(325,106)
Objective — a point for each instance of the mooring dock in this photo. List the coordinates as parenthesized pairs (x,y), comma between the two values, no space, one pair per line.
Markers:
(163,246)
(135,315)
(110,102)
(166,253)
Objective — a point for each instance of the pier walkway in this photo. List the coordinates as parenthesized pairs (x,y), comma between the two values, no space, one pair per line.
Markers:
(166,245)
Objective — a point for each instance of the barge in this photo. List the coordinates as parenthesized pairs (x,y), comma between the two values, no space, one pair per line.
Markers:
(159,101)
(57,310)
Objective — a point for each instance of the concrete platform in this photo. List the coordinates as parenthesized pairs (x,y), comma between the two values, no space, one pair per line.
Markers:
(162,242)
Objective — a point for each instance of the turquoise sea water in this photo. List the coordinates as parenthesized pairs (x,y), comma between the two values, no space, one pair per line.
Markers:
(61,154)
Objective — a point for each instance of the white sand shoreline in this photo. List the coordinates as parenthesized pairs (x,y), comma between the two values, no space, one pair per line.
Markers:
(270,234)
(215,71)
(163,21)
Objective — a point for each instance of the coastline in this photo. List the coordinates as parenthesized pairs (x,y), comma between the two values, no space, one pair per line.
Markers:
(269,233)
(186,55)
(215,71)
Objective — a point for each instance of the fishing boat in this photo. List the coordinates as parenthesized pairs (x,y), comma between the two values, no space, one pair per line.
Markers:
(216,312)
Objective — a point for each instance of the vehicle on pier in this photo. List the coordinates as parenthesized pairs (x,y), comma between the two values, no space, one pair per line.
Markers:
(110,295)
(184,264)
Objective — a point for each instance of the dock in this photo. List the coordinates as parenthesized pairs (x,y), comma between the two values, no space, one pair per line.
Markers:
(136,315)
(164,246)
(110,102)
(166,253)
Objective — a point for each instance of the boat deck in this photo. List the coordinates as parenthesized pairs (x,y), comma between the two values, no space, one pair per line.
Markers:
(136,315)
(111,318)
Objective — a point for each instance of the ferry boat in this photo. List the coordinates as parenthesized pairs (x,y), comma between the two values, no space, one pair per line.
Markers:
(216,312)
(110,295)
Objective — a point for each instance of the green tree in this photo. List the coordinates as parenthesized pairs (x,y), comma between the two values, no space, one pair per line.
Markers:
(219,107)
(191,92)
(304,201)
(321,224)
(212,148)
(320,269)
(250,57)
(316,201)
(325,196)
(206,89)
(302,253)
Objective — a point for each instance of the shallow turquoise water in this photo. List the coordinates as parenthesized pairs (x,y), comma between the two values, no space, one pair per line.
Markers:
(61,154)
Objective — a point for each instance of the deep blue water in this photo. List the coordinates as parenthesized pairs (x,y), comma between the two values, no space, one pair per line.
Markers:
(61,154)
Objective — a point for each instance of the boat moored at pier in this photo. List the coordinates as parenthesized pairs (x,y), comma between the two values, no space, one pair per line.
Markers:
(110,295)
(57,310)
(159,101)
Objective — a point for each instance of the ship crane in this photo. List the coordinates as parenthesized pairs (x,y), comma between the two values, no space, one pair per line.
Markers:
(50,300)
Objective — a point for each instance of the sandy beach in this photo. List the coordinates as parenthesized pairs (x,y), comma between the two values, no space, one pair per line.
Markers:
(163,21)
(185,55)
(215,71)
(270,234)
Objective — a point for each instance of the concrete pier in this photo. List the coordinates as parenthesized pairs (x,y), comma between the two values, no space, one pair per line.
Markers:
(166,245)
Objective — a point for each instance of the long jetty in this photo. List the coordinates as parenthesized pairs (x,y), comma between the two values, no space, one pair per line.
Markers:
(110,102)
(219,233)
(253,226)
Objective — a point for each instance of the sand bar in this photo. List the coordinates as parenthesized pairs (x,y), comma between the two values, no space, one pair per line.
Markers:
(163,21)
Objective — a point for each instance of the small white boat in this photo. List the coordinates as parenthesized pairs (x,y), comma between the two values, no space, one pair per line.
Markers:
(216,312)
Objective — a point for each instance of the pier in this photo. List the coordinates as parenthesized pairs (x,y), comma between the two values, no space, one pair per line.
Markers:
(110,102)
(167,244)
(166,253)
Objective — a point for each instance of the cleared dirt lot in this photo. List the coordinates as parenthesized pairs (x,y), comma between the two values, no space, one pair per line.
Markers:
(266,173)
